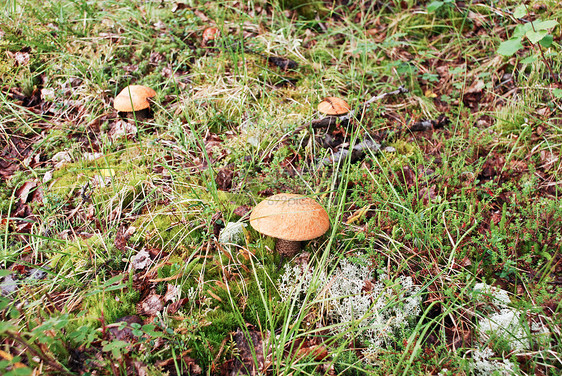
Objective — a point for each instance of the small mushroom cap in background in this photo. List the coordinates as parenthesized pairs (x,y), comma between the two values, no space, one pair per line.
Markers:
(209,34)
(133,98)
(290,217)
(333,106)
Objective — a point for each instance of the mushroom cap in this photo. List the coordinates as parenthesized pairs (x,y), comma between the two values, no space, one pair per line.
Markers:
(133,98)
(290,217)
(333,106)
(210,33)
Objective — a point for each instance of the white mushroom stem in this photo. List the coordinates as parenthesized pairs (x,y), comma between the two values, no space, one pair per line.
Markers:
(287,248)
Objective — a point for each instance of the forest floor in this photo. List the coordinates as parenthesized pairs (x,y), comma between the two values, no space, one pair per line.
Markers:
(125,240)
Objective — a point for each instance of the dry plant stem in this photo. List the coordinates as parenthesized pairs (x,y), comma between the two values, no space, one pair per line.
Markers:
(547,63)
(51,362)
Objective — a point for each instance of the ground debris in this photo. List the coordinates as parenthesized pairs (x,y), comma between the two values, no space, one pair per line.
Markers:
(425,125)
(283,63)
(151,305)
(357,152)
(191,368)
(8,285)
(141,260)
(122,330)
(224,179)
(249,343)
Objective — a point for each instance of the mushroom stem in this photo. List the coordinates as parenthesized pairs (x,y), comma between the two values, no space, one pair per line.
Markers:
(287,248)
(140,115)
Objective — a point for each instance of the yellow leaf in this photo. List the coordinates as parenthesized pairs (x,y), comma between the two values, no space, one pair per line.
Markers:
(430,94)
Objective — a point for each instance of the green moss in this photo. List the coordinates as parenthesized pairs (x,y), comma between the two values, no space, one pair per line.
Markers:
(223,323)
(308,9)
(126,182)
(406,153)
(109,305)
(256,312)
(68,259)
(161,230)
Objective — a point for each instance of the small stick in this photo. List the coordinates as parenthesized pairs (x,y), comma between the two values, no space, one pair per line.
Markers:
(400,90)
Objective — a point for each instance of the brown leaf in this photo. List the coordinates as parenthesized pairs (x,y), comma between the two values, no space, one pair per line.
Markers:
(169,365)
(141,369)
(172,293)
(224,179)
(141,260)
(427,195)
(21,57)
(175,306)
(244,363)
(121,239)
(407,176)
(242,210)
(151,305)
(201,15)
(178,6)
(24,191)
(466,262)
(473,94)
(319,352)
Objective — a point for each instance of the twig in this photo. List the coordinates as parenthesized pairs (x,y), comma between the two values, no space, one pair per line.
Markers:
(400,90)
(357,152)
(425,125)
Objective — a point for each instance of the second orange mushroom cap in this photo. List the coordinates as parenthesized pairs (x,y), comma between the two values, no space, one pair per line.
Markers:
(133,98)
(333,106)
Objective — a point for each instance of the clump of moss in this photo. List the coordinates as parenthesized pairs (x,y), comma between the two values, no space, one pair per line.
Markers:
(107,305)
(308,9)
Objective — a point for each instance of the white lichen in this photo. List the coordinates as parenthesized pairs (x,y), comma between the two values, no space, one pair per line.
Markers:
(504,323)
(371,310)
(482,365)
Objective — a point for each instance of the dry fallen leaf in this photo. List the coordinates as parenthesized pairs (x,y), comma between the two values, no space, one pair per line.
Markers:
(151,305)
(201,15)
(189,365)
(122,128)
(141,260)
(172,293)
(244,363)
(23,192)
(61,158)
(21,58)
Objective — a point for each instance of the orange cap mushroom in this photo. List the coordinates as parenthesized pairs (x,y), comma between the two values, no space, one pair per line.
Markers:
(133,98)
(291,219)
(209,34)
(333,106)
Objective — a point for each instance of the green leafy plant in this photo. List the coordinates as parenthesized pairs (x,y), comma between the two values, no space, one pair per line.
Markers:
(536,32)
(435,5)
